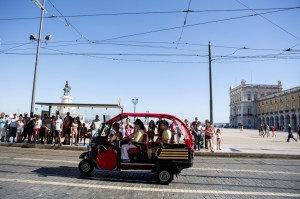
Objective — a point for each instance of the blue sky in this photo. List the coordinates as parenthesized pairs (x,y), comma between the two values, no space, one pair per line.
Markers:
(166,70)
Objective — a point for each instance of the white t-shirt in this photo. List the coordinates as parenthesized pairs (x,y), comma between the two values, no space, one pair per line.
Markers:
(58,124)
(97,124)
(38,124)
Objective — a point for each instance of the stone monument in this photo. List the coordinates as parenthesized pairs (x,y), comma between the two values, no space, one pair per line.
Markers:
(67,99)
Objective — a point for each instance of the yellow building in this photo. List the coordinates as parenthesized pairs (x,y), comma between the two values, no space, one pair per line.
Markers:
(280,109)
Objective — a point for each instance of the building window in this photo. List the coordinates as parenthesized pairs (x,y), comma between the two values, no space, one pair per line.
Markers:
(286,105)
(249,110)
(281,106)
(255,96)
(249,96)
(271,108)
(262,95)
(293,104)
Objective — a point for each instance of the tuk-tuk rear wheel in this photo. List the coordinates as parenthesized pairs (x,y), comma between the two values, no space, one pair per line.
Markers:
(85,167)
(164,176)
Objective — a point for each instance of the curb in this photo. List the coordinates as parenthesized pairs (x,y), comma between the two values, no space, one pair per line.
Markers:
(196,153)
(247,155)
(44,146)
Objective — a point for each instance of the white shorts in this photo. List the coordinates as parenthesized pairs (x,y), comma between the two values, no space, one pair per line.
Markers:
(20,130)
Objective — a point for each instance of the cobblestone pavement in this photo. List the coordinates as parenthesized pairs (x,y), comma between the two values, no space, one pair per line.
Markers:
(44,173)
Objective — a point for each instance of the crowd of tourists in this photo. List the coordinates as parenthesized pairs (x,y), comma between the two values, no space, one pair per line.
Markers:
(35,129)
(204,136)
(264,130)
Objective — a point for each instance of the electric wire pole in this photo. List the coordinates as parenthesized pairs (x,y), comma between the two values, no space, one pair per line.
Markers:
(37,58)
(210,85)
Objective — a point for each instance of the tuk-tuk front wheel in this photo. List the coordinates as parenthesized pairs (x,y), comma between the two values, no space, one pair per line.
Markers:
(164,176)
(85,167)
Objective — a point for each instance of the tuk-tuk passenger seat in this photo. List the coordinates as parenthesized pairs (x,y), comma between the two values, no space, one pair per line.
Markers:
(140,146)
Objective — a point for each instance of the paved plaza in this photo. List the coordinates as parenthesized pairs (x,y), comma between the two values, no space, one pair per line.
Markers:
(44,173)
(235,143)
(249,141)
(52,173)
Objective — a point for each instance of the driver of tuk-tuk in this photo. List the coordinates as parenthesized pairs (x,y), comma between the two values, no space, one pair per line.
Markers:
(115,139)
(165,139)
(137,136)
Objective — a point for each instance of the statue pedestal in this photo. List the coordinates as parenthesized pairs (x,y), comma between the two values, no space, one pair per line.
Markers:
(63,110)
(67,99)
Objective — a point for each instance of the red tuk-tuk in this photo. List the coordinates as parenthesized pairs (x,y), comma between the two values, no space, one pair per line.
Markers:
(169,160)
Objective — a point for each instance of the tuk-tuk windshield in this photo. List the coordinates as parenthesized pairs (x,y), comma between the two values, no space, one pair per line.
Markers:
(103,131)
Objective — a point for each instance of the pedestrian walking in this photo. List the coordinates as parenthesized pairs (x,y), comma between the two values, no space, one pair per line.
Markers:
(290,135)
(208,136)
(13,126)
(83,133)
(197,132)
(26,120)
(241,129)
(48,131)
(219,139)
(151,131)
(67,128)
(42,137)
(3,126)
(37,129)
(273,131)
(30,128)
(78,129)
(74,131)
(58,126)
(96,123)
(20,129)
(298,132)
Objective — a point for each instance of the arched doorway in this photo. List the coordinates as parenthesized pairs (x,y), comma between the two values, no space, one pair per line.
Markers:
(276,122)
(281,122)
(294,122)
(271,121)
(267,121)
(287,121)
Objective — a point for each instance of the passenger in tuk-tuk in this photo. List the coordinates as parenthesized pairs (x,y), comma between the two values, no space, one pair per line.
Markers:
(115,139)
(137,136)
(163,141)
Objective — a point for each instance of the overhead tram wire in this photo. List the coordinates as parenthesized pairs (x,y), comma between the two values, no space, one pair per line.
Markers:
(184,22)
(7,49)
(131,54)
(144,13)
(68,22)
(132,60)
(191,25)
(269,20)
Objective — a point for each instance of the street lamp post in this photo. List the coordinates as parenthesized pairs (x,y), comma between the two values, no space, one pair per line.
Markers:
(135,101)
(42,7)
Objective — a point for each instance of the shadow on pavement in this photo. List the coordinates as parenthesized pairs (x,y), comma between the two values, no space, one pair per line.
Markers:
(101,175)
